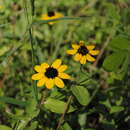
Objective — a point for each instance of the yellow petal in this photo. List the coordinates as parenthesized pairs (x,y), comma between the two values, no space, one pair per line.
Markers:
(56,64)
(51,22)
(94,52)
(90,47)
(90,58)
(77,57)
(49,83)
(71,52)
(44,17)
(81,43)
(37,76)
(75,46)
(44,66)
(41,82)
(58,15)
(38,68)
(83,60)
(62,68)
(59,83)
(64,76)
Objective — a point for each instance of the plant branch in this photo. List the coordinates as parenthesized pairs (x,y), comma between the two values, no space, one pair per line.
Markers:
(102,51)
(63,115)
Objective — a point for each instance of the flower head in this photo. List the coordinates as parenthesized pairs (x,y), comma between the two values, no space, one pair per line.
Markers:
(50,75)
(51,16)
(83,53)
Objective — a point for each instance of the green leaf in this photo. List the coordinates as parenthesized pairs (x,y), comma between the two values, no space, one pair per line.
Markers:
(81,94)
(3,127)
(33,126)
(66,126)
(58,19)
(57,95)
(13,101)
(124,68)
(106,103)
(57,106)
(114,61)
(119,102)
(112,12)
(120,42)
(108,124)
(22,124)
(82,119)
(115,109)
(31,109)
(3,50)
(127,118)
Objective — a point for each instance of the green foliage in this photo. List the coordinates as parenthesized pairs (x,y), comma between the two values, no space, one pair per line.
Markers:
(3,127)
(66,127)
(81,94)
(57,106)
(13,101)
(114,61)
(119,60)
(33,126)
(120,42)
(97,97)
(115,109)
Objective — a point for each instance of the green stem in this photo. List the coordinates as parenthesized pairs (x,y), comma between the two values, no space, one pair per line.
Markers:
(63,115)
(32,47)
(33,7)
(94,93)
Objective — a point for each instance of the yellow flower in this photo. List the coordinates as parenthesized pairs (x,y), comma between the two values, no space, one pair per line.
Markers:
(1,6)
(51,16)
(50,75)
(83,53)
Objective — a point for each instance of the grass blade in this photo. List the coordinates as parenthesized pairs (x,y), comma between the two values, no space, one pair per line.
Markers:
(13,101)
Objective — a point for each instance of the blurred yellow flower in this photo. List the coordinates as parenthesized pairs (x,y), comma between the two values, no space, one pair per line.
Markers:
(51,16)
(1,6)
(83,53)
(51,75)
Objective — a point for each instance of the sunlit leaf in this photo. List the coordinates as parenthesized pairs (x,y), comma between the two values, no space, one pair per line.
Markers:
(81,94)
(66,126)
(115,109)
(4,127)
(57,106)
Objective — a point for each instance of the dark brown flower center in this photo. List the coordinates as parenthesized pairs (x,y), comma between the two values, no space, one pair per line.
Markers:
(51,13)
(83,50)
(51,72)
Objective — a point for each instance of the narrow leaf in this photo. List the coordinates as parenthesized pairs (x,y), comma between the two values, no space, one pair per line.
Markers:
(58,19)
(13,101)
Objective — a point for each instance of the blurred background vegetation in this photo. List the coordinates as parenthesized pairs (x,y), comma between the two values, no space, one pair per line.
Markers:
(105,23)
